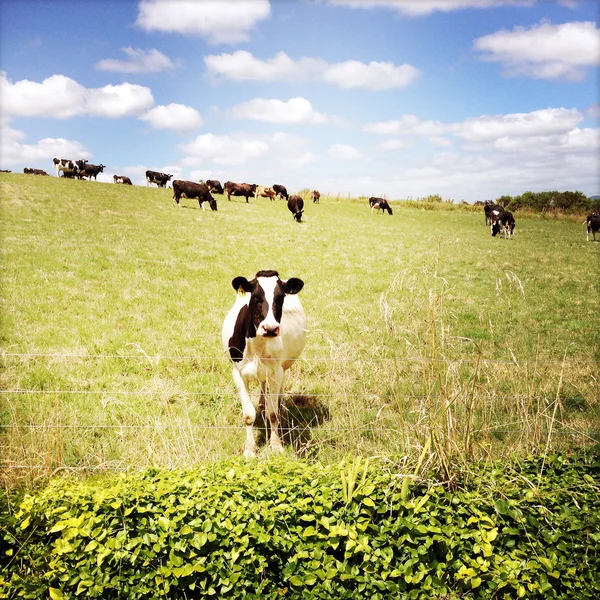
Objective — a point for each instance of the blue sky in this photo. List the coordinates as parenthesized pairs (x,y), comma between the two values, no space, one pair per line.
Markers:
(469,99)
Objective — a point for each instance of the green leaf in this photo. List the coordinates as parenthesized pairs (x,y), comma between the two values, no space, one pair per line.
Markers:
(55,594)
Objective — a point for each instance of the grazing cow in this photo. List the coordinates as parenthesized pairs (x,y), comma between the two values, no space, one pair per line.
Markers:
(264,332)
(316,196)
(593,225)
(160,179)
(296,206)
(190,190)
(280,191)
(380,204)
(122,179)
(90,171)
(504,222)
(214,186)
(67,166)
(240,189)
(491,212)
(265,192)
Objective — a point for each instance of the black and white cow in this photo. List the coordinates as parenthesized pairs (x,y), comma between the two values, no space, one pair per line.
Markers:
(122,179)
(280,191)
(296,207)
(490,209)
(593,225)
(380,204)
(160,179)
(90,171)
(504,222)
(264,333)
(191,190)
(67,165)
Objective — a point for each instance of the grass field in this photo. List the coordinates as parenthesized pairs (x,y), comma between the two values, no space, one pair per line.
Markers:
(425,332)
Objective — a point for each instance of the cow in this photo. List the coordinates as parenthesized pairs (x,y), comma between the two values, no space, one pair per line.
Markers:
(191,190)
(214,186)
(5,171)
(491,212)
(593,225)
(280,191)
(265,192)
(160,179)
(29,171)
(316,196)
(264,333)
(90,171)
(239,189)
(380,204)
(122,179)
(296,207)
(504,222)
(67,165)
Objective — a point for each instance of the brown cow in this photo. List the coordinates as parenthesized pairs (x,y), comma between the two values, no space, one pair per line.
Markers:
(296,207)
(316,196)
(265,192)
(240,189)
(190,190)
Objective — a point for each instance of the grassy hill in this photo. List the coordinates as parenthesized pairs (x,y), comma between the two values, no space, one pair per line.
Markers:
(424,330)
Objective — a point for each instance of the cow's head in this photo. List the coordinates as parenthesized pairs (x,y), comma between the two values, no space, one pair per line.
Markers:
(298,215)
(267,293)
(495,227)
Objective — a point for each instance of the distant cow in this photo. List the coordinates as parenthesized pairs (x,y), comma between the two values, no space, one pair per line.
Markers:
(5,171)
(491,212)
(90,171)
(264,192)
(296,206)
(122,179)
(379,204)
(160,179)
(316,196)
(214,186)
(28,171)
(504,222)
(593,225)
(264,333)
(67,165)
(191,190)
(280,191)
(240,189)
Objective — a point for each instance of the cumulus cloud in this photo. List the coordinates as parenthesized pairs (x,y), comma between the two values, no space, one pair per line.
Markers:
(409,125)
(295,110)
(61,97)
(344,152)
(223,149)
(216,21)
(418,8)
(139,61)
(544,51)
(176,117)
(243,66)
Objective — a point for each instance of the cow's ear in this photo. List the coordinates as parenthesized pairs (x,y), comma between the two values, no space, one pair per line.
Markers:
(241,284)
(293,285)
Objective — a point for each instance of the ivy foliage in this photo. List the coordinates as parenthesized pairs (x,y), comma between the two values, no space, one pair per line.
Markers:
(288,529)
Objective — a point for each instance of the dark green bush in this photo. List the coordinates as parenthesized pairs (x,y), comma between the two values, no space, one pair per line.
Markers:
(287,529)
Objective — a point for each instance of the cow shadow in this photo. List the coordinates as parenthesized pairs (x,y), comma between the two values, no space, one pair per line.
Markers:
(299,414)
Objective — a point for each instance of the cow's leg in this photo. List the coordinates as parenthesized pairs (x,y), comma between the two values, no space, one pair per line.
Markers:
(274,385)
(248,412)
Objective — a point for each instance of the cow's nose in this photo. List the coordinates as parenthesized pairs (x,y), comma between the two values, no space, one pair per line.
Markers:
(272,331)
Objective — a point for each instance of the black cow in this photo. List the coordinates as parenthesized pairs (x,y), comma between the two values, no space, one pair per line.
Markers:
(491,212)
(160,179)
(593,225)
(90,171)
(5,171)
(504,222)
(214,186)
(190,190)
(280,191)
(379,204)
(240,189)
(296,206)
(316,196)
(122,179)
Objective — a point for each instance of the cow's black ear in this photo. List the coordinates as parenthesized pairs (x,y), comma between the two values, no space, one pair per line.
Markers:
(293,285)
(241,284)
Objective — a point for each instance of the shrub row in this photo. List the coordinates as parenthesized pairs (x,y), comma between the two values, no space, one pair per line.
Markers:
(287,529)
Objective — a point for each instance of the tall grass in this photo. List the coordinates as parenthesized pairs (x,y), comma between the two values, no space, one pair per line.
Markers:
(425,332)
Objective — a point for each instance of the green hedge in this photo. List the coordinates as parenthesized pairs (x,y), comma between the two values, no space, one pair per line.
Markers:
(287,529)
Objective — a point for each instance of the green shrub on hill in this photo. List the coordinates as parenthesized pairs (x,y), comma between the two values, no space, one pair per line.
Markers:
(287,529)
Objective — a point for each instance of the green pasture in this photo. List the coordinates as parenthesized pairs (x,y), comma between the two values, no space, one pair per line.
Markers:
(428,337)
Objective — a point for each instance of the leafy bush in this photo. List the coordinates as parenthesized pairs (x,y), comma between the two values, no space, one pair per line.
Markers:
(280,529)
(554,201)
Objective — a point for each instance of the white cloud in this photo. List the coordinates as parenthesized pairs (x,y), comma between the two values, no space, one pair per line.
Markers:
(243,66)
(544,51)
(409,125)
(216,21)
(295,110)
(223,149)
(140,61)
(440,142)
(176,117)
(394,144)
(425,7)
(61,97)
(344,152)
